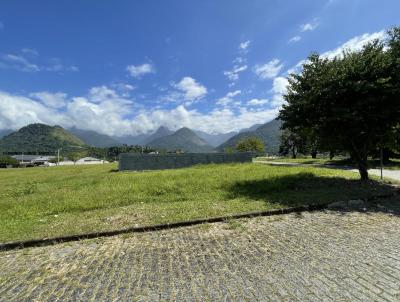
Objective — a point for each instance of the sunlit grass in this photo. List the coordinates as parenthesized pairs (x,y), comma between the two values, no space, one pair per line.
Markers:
(47,202)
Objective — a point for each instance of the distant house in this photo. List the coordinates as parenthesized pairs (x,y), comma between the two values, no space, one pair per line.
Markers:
(37,160)
(66,163)
(24,159)
(42,160)
(90,161)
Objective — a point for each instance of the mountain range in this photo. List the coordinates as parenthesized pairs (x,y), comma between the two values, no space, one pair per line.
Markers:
(93,138)
(269,133)
(183,139)
(44,138)
(40,138)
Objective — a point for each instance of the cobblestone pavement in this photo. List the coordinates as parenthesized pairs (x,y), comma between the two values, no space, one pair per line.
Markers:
(321,256)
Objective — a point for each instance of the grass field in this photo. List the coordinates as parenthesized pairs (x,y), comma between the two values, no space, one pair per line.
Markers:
(47,202)
(393,164)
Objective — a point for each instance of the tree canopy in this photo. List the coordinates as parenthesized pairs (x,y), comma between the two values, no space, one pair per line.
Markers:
(6,160)
(250,144)
(348,103)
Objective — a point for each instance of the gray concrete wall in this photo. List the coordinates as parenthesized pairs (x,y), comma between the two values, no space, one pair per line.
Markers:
(138,162)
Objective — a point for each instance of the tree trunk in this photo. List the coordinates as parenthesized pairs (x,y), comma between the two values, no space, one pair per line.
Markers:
(294,152)
(363,172)
(360,156)
(331,155)
(313,154)
(362,167)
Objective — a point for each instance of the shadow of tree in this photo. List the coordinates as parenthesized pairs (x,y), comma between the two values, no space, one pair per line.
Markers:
(306,188)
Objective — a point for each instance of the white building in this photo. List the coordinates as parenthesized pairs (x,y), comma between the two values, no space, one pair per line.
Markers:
(90,161)
(66,163)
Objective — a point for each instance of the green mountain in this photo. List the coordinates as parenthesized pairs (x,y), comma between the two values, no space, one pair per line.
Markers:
(93,138)
(252,128)
(269,133)
(183,139)
(40,138)
(159,133)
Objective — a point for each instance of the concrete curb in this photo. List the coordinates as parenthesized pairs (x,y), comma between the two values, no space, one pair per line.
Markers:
(51,241)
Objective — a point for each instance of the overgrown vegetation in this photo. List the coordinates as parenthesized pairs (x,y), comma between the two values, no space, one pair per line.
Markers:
(47,202)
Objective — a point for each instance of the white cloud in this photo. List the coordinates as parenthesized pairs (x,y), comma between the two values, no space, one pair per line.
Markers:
(354,44)
(228,98)
(309,26)
(56,65)
(295,39)
(233,74)
(279,87)
(100,94)
(105,111)
(20,63)
(192,90)
(140,70)
(123,88)
(244,45)
(239,63)
(18,111)
(217,121)
(52,100)
(257,102)
(268,70)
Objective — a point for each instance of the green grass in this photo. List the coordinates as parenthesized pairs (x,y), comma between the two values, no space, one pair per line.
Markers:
(48,202)
(301,160)
(393,164)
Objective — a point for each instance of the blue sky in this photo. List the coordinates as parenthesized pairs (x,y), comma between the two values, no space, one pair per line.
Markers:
(125,67)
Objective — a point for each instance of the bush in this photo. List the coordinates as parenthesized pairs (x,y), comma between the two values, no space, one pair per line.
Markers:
(6,160)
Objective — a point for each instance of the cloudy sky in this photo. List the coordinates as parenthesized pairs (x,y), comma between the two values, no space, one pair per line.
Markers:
(127,67)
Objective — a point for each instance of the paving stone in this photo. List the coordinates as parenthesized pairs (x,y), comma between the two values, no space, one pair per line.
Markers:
(319,256)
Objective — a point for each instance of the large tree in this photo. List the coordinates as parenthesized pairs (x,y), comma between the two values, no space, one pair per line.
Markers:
(349,103)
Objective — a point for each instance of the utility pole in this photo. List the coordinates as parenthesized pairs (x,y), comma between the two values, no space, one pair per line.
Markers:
(58,157)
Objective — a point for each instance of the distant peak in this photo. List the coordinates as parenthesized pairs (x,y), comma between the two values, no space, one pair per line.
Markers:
(184,129)
(162,128)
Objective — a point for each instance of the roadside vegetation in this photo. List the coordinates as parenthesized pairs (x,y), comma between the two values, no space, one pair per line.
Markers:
(48,202)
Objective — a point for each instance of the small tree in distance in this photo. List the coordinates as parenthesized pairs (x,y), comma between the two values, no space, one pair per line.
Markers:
(6,160)
(250,144)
